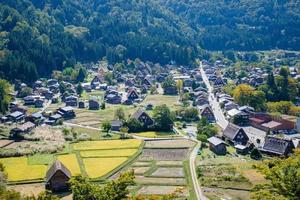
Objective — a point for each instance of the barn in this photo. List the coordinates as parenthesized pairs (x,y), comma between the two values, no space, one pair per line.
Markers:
(57,177)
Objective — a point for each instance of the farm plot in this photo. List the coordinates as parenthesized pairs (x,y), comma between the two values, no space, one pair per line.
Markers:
(161,190)
(157,100)
(98,167)
(155,134)
(178,143)
(18,169)
(108,153)
(160,170)
(228,176)
(168,172)
(71,162)
(94,118)
(107,144)
(164,154)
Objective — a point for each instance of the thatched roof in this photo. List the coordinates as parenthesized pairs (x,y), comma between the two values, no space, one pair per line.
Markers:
(57,166)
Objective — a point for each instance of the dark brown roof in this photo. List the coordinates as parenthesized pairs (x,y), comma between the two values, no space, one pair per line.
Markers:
(57,166)
(138,113)
(277,145)
(230,131)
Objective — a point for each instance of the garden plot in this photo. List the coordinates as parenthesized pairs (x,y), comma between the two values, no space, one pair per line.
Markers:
(161,190)
(170,163)
(229,176)
(178,143)
(164,154)
(140,170)
(168,172)
(160,181)
(160,170)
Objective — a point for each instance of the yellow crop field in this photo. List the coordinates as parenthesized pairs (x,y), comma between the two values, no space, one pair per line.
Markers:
(98,167)
(154,134)
(108,153)
(70,161)
(18,169)
(107,144)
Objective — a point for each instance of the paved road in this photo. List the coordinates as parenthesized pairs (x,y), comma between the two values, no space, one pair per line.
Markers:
(220,118)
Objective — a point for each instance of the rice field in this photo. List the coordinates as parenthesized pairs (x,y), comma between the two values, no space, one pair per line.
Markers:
(18,169)
(107,144)
(93,159)
(98,167)
(108,153)
(71,162)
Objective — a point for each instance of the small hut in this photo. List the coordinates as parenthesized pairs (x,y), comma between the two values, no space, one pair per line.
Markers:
(57,177)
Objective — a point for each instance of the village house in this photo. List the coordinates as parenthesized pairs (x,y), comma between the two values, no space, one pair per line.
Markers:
(132,94)
(217,145)
(277,146)
(16,116)
(71,101)
(36,118)
(94,105)
(116,125)
(97,80)
(57,177)
(200,101)
(29,100)
(238,117)
(66,112)
(266,122)
(113,98)
(219,82)
(81,104)
(171,90)
(21,130)
(206,112)
(230,105)
(143,117)
(235,135)
(39,103)
(53,119)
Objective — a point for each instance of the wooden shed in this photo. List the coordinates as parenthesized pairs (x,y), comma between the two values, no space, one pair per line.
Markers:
(57,177)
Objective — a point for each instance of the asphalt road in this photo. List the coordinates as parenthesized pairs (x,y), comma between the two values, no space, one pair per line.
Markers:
(220,118)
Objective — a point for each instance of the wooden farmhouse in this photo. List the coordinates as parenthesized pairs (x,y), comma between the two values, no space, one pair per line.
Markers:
(57,177)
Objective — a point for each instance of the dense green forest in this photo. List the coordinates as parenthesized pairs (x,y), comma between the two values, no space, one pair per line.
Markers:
(38,36)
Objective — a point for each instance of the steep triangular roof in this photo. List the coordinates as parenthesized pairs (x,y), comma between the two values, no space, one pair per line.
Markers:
(57,166)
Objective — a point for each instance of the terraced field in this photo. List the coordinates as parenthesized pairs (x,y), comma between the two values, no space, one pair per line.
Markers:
(162,168)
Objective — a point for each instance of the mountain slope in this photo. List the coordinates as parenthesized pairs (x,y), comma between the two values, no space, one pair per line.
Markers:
(38,36)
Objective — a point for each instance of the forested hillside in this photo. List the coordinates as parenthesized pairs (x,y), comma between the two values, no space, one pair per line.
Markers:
(242,24)
(38,36)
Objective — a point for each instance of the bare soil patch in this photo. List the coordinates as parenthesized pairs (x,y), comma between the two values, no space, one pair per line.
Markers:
(164,154)
(161,190)
(140,170)
(168,172)
(169,163)
(159,181)
(178,143)
(4,143)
